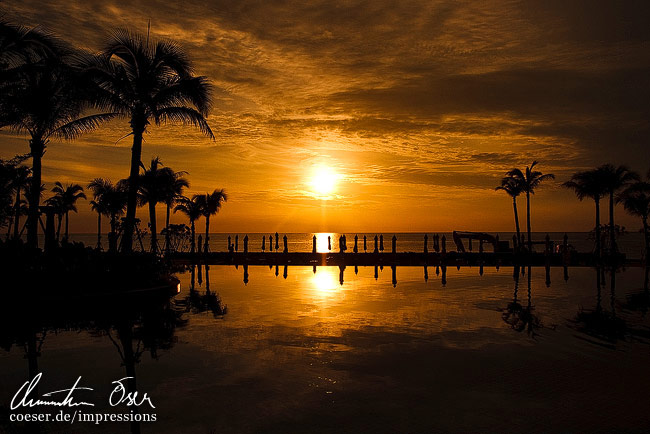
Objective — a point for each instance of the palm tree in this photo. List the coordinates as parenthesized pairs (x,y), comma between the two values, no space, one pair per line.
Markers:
(173,191)
(66,198)
(529,180)
(153,183)
(46,104)
(146,81)
(20,182)
(589,183)
(513,188)
(210,203)
(636,201)
(615,178)
(114,199)
(192,209)
(99,187)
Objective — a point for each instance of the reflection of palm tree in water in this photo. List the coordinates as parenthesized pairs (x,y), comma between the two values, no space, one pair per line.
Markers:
(599,323)
(640,301)
(521,318)
(196,302)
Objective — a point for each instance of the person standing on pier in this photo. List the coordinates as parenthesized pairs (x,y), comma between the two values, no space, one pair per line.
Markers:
(426,242)
(394,246)
(271,243)
(313,244)
(341,244)
(329,242)
(264,243)
(376,250)
(356,244)
(284,239)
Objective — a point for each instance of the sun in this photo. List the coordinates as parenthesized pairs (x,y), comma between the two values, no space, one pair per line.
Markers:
(324,180)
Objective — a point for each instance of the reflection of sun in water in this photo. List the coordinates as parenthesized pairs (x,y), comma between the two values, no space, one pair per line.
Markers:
(326,279)
(323,180)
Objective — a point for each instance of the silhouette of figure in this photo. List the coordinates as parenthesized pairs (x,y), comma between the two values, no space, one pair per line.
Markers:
(426,247)
(285,271)
(284,240)
(264,243)
(394,275)
(381,242)
(356,244)
(341,271)
(276,241)
(444,273)
(236,243)
(365,244)
(329,242)
(246,244)
(245,273)
(376,250)
(341,244)
(271,244)
(376,272)
(394,245)
(313,244)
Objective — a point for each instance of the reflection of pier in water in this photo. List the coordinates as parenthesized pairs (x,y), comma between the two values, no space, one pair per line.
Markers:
(440,270)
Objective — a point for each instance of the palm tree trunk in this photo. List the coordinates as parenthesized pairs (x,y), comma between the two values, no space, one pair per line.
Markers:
(207,231)
(131,203)
(612,233)
(514,206)
(193,246)
(167,230)
(17,214)
(58,227)
(646,237)
(530,242)
(154,234)
(597,200)
(67,234)
(37,148)
(99,230)
(112,237)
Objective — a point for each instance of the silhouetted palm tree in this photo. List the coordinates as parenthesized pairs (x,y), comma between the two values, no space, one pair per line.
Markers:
(636,201)
(112,199)
(590,183)
(530,180)
(46,104)
(153,182)
(210,203)
(513,187)
(146,81)
(615,178)
(99,188)
(20,182)
(173,191)
(66,198)
(192,209)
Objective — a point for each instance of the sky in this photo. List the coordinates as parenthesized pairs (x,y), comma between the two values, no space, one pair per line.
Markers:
(412,110)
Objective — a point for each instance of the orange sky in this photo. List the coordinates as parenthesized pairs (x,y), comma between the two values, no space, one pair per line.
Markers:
(419,107)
